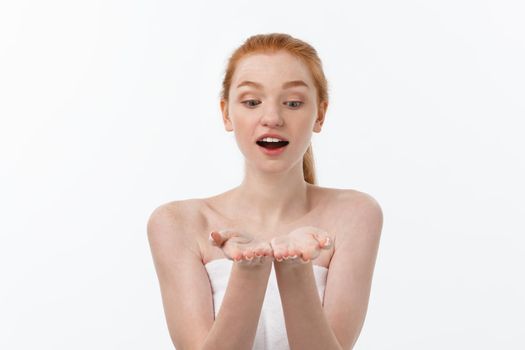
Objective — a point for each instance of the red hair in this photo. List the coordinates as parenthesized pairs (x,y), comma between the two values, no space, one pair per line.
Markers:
(272,42)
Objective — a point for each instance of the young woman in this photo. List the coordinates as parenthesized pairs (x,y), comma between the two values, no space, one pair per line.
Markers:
(276,262)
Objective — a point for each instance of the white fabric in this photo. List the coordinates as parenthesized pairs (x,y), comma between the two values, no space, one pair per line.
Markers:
(271,329)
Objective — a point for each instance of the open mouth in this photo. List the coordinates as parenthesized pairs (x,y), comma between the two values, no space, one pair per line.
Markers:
(272,145)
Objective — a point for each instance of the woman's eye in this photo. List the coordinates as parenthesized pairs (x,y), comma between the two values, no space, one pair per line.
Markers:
(297,104)
(253,103)
(249,104)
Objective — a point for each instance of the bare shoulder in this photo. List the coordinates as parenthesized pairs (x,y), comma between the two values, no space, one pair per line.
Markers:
(184,284)
(175,210)
(361,207)
(356,212)
(359,222)
(349,199)
(176,221)
(359,202)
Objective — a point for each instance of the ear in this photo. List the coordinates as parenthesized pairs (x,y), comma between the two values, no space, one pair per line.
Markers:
(228,125)
(321,112)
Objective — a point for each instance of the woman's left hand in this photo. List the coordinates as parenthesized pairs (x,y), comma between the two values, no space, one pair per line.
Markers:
(301,245)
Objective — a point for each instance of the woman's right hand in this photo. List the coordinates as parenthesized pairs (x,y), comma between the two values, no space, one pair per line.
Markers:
(242,247)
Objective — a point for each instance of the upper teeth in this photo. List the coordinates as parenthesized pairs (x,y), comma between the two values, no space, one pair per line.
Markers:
(270,139)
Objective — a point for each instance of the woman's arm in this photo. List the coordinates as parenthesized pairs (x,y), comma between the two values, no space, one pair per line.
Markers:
(306,323)
(236,322)
(337,323)
(186,291)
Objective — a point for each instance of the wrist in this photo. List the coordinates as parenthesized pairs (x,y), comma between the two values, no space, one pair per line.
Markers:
(293,264)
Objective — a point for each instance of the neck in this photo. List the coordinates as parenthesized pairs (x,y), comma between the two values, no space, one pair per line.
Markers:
(272,198)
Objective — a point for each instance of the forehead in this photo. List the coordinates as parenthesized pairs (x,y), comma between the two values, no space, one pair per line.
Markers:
(271,69)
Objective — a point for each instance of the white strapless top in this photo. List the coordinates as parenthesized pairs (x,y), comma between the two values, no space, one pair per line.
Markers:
(271,329)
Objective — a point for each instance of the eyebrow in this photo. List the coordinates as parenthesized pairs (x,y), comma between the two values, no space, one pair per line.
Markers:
(286,85)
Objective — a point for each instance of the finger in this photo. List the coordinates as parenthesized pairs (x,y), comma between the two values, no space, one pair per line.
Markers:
(276,250)
(310,253)
(305,258)
(266,250)
(234,253)
(292,253)
(250,262)
(324,240)
(287,250)
(327,244)
(291,260)
(237,256)
(248,254)
(219,237)
(284,252)
(278,254)
(268,254)
(306,255)
(260,251)
(216,238)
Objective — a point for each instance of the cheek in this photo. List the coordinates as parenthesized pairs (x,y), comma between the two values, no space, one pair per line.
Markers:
(244,125)
(244,129)
(304,133)
(306,126)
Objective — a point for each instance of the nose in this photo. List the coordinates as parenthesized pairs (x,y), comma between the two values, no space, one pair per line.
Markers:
(272,118)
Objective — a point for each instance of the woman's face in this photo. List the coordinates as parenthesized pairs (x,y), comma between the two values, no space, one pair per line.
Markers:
(263,98)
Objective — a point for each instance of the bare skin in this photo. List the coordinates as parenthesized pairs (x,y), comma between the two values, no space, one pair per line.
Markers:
(272,211)
(301,245)
(241,246)
(321,215)
(179,238)
(297,247)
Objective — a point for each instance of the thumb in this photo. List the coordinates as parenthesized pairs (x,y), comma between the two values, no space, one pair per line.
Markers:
(219,237)
(324,239)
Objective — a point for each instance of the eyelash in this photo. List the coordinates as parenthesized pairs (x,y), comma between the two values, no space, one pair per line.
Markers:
(251,107)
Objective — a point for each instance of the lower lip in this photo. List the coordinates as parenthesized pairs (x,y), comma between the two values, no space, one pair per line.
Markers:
(273,152)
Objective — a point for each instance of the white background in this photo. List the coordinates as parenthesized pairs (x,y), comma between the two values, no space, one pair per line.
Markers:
(110,108)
